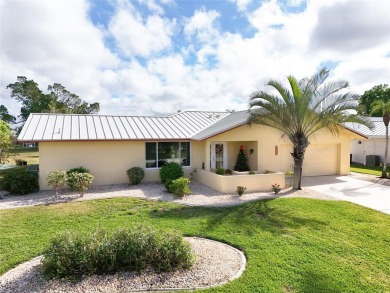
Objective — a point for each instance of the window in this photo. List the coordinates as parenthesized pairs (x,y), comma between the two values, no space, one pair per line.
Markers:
(160,153)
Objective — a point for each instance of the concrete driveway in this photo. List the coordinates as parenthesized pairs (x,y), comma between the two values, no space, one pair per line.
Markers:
(348,188)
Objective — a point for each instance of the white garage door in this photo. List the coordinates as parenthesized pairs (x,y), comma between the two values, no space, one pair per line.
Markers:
(320,160)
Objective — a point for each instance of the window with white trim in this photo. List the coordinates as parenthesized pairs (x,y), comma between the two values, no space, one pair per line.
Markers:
(160,153)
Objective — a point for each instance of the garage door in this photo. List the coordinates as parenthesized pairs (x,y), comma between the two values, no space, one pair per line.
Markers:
(320,160)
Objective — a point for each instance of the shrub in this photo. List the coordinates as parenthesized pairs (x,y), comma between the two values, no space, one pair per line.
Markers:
(240,190)
(22,182)
(268,171)
(57,179)
(252,172)
(275,188)
(228,172)
(20,162)
(132,249)
(220,171)
(136,174)
(80,181)
(80,169)
(169,172)
(180,187)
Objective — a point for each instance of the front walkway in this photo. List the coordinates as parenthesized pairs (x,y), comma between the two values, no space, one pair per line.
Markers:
(350,188)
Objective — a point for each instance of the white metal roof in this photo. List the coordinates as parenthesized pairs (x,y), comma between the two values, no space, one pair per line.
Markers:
(228,122)
(57,127)
(378,131)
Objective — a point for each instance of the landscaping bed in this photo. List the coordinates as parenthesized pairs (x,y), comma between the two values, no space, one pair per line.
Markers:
(291,245)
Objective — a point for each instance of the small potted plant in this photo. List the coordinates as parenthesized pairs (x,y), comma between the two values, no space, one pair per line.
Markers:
(275,188)
(240,190)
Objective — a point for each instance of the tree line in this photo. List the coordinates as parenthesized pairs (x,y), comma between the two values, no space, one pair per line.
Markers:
(57,99)
(299,110)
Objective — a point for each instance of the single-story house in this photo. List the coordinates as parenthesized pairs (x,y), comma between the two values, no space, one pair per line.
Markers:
(199,140)
(369,151)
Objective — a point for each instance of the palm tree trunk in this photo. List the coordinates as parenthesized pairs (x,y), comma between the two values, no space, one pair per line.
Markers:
(384,174)
(297,173)
(298,155)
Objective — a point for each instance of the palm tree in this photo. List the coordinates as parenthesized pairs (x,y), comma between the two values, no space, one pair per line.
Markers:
(302,109)
(384,107)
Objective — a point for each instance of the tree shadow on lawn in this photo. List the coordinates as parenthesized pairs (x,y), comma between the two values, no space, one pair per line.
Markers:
(247,217)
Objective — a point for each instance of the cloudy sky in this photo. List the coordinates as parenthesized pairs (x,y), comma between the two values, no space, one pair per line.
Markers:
(154,57)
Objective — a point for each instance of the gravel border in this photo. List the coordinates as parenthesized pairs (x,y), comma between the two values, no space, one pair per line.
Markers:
(201,195)
(371,178)
(216,264)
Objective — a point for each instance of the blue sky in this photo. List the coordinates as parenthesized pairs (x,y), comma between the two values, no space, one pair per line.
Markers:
(154,57)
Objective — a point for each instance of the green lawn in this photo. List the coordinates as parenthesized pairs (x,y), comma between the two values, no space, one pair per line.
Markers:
(292,245)
(372,170)
(31,155)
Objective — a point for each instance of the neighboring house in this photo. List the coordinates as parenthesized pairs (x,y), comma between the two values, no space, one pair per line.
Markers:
(373,146)
(109,145)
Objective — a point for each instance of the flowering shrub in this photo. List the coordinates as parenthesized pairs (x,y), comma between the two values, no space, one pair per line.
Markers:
(57,179)
(80,181)
(275,188)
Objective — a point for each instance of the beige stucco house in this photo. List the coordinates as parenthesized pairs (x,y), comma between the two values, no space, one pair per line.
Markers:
(362,150)
(200,141)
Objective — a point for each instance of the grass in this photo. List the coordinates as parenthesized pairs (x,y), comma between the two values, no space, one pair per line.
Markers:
(291,245)
(372,170)
(31,155)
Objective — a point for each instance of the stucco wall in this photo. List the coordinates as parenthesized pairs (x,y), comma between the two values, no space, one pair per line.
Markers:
(109,160)
(372,146)
(106,160)
(326,154)
(228,184)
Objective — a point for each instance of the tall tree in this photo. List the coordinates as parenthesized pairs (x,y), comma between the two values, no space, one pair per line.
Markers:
(379,92)
(384,108)
(64,101)
(58,100)
(5,142)
(6,116)
(303,108)
(32,98)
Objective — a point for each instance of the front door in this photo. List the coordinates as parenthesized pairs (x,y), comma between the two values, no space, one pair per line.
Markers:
(218,155)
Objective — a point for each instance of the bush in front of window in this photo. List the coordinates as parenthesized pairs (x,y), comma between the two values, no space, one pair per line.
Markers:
(136,174)
(220,171)
(180,187)
(169,172)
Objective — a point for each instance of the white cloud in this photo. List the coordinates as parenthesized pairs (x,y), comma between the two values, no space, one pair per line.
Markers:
(269,14)
(295,3)
(346,27)
(153,6)
(48,48)
(51,41)
(241,4)
(202,24)
(136,36)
